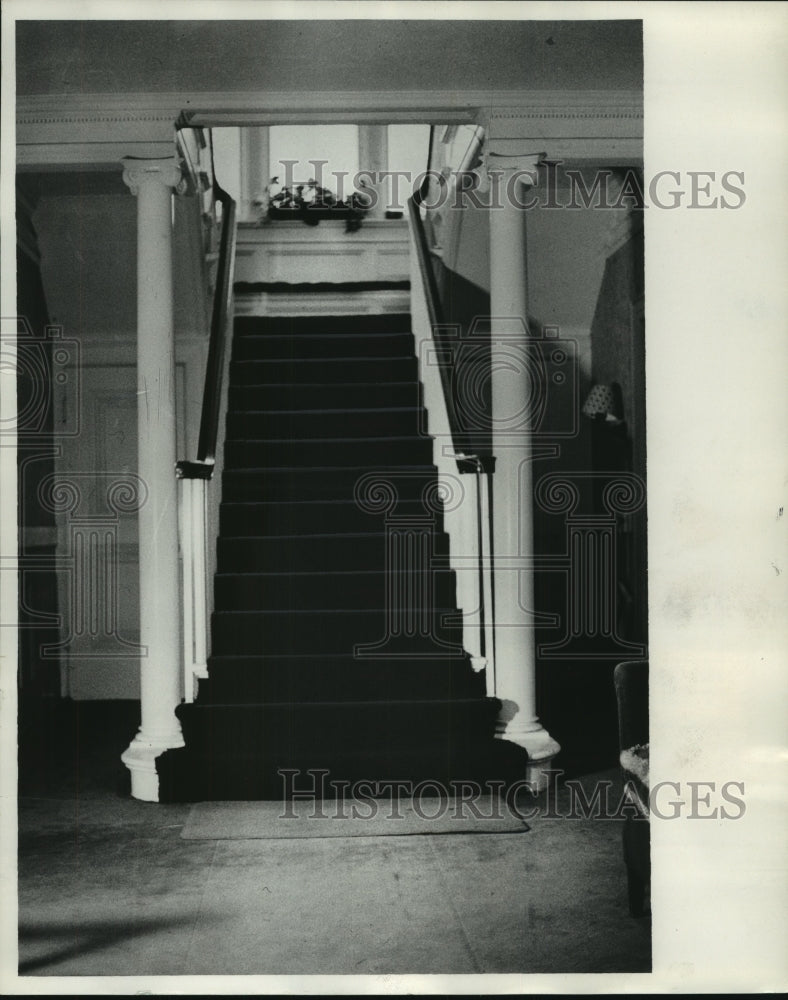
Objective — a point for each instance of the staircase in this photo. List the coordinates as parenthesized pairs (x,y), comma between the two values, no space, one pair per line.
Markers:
(333,644)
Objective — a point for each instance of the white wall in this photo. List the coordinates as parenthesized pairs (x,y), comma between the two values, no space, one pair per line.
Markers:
(88,263)
(408,147)
(566,254)
(227,160)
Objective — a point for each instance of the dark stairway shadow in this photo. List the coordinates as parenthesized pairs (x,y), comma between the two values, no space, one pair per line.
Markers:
(331,643)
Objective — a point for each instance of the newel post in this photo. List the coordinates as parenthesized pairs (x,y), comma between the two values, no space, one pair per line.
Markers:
(152,181)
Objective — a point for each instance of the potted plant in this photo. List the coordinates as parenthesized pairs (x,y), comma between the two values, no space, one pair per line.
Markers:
(311,203)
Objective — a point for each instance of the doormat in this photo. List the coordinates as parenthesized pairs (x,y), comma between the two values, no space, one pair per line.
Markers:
(273,820)
(245,287)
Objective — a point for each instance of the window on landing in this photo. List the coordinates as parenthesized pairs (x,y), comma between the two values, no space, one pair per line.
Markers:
(335,146)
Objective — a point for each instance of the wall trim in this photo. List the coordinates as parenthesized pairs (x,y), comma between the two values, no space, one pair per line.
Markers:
(167,106)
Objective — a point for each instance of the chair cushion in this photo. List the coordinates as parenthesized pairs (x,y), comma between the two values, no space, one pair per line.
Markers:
(634,764)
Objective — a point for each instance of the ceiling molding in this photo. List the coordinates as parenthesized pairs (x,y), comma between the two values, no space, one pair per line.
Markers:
(96,129)
(87,156)
(38,109)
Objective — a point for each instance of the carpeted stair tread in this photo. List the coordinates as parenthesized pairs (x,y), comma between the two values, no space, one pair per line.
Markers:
(373,453)
(321,677)
(254,775)
(309,517)
(304,728)
(362,368)
(360,411)
(314,483)
(341,631)
(339,395)
(380,707)
(311,346)
(400,421)
(327,590)
(302,553)
(364,323)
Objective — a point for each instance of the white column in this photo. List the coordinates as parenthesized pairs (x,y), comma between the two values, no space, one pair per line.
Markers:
(373,156)
(152,181)
(254,170)
(512,500)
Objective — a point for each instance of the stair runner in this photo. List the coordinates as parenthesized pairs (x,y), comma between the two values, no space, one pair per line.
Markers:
(333,644)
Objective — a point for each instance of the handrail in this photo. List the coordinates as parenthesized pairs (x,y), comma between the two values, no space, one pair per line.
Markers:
(466,523)
(202,467)
(222,302)
(435,313)
(195,511)
(434,307)
(465,462)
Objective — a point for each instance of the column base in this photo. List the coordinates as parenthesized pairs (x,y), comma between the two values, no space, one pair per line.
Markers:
(140,759)
(542,750)
(198,672)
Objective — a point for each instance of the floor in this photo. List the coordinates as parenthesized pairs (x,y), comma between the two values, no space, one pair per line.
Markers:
(108,887)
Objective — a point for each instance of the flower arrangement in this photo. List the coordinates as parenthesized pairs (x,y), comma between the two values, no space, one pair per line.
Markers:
(312,203)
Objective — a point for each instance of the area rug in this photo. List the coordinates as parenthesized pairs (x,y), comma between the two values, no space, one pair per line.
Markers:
(349,818)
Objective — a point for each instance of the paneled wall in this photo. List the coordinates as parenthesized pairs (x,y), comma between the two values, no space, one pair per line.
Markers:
(295,253)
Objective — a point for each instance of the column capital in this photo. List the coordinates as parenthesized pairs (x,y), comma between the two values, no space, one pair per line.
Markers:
(510,159)
(138,172)
(514,154)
